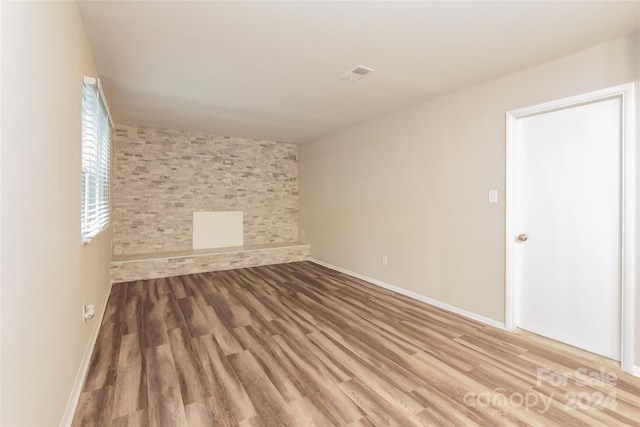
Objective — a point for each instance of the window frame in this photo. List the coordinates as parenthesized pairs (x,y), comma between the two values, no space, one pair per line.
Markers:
(95,169)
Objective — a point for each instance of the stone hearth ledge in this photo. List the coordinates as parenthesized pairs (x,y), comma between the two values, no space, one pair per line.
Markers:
(126,268)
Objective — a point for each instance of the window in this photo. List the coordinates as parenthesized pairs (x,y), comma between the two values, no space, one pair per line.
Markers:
(96,153)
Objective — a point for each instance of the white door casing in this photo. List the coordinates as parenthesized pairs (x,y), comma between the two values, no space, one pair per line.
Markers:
(564,254)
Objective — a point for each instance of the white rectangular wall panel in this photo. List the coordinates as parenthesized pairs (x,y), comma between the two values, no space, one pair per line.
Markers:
(217,229)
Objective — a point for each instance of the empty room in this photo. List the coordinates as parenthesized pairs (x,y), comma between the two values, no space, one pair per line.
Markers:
(331,213)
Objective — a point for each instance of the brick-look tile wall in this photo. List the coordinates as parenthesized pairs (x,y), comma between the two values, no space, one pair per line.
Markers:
(162,176)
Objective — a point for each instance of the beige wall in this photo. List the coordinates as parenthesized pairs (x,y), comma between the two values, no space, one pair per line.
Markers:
(162,176)
(47,274)
(413,185)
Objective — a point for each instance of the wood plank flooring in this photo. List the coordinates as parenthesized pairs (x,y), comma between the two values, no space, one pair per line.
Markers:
(301,345)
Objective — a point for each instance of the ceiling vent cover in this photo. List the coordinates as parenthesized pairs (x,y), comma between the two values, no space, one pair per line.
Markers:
(357,73)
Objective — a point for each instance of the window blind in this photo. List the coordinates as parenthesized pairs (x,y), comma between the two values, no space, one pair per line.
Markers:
(96,155)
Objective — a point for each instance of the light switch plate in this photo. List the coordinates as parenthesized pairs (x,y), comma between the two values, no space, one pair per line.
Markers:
(493,196)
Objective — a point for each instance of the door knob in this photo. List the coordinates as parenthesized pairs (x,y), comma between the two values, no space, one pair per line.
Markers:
(522,237)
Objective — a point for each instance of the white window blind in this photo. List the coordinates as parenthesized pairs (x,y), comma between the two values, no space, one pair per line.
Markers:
(96,154)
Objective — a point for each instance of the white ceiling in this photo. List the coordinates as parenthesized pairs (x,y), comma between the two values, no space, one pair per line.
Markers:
(271,69)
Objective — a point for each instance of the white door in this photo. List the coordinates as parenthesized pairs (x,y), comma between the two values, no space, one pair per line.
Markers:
(568,182)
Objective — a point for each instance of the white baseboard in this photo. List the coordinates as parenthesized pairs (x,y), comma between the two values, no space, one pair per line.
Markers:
(636,371)
(74,397)
(414,295)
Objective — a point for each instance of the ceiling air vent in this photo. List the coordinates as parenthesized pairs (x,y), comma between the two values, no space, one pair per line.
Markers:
(357,73)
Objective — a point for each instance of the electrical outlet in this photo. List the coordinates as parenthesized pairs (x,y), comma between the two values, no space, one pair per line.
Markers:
(385,260)
(88,311)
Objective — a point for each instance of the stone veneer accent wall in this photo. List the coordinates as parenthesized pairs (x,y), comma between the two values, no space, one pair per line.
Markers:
(162,176)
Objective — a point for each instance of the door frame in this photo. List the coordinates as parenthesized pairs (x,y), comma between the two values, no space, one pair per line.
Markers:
(626,93)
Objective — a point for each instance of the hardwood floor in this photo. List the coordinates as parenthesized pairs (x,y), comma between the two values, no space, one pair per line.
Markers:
(301,345)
